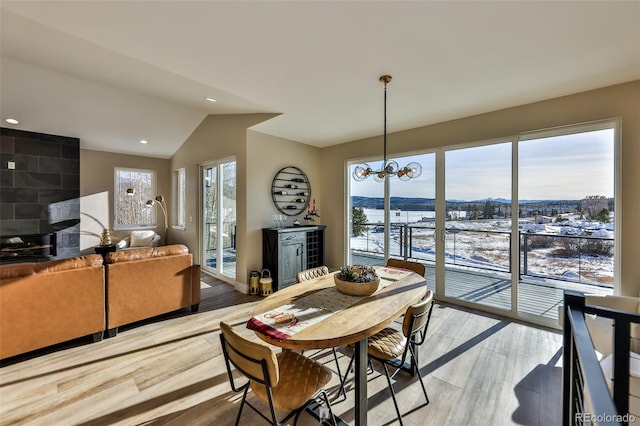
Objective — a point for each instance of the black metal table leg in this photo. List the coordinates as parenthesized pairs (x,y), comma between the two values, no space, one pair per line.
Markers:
(361,403)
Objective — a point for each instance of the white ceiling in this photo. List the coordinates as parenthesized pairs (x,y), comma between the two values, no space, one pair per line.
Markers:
(114,72)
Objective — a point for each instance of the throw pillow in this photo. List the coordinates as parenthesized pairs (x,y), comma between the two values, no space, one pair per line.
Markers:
(141,238)
(124,243)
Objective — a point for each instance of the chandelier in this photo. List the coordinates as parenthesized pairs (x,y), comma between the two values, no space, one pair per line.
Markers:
(389,168)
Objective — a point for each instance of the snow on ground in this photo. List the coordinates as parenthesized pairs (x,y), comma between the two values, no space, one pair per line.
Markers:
(485,244)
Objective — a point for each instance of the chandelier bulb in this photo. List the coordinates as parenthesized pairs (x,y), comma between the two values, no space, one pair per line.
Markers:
(414,170)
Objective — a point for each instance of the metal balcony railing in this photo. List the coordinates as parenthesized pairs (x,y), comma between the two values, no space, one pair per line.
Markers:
(574,258)
(228,235)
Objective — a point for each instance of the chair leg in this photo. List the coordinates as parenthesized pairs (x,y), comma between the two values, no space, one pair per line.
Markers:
(306,406)
(326,400)
(424,389)
(244,397)
(343,380)
(335,357)
(393,394)
(295,419)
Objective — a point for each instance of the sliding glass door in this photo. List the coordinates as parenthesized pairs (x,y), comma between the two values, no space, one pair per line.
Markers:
(219,218)
(505,225)
(412,216)
(566,215)
(410,234)
(477,226)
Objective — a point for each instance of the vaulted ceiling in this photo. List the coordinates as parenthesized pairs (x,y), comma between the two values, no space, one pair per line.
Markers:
(114,72)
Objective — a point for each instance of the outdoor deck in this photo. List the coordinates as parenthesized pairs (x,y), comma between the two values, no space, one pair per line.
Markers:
(535,298)
(540,298)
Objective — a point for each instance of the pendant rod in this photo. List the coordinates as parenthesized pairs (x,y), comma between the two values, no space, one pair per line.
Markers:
(384,164)
(385,79)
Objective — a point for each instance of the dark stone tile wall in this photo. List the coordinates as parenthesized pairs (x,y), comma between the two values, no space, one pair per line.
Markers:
(42,194)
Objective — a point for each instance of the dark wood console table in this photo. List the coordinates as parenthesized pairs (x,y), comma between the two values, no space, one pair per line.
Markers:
(287,251)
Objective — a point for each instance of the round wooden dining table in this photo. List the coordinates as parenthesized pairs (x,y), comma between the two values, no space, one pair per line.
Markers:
(351,325)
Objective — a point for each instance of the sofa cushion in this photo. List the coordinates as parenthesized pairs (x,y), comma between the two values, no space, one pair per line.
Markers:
(141,238)
(15,270)
(30,268)
(145,253)
(72,263)
(46,303)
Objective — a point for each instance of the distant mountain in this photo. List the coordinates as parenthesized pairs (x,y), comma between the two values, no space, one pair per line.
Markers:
(484,200)
(414,203)
(402,203)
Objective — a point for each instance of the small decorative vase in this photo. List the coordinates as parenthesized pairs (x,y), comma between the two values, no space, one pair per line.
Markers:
(105,239)
(356,289)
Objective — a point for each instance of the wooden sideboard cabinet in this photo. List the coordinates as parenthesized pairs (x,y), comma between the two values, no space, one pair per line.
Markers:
(287,251)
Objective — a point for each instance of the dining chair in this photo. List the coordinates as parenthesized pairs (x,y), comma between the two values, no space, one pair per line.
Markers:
(309,274)
(287,381)
(391,347)
(407,264)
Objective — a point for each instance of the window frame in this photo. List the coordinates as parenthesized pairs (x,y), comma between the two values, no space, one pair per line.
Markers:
(180,181)
(120,195)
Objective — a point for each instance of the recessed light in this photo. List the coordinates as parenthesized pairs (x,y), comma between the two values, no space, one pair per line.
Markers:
(143,141)
(210,99)
(11,121)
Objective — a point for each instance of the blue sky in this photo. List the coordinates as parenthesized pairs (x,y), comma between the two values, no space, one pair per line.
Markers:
(561,167)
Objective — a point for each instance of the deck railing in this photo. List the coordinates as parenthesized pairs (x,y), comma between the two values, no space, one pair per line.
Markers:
(211,244)
(586,397)
(579,255)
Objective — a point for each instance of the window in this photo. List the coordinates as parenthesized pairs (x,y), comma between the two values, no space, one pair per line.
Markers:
(517,220)
(130,209)
(180,180)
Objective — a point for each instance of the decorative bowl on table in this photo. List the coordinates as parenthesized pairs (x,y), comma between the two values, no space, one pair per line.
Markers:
(357,280)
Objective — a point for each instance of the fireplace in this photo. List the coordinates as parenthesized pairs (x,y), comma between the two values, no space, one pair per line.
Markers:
(27,248)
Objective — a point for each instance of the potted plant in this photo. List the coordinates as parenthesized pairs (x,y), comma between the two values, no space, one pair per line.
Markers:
(357,280)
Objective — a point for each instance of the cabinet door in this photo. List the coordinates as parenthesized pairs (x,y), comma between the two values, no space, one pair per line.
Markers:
(292,258)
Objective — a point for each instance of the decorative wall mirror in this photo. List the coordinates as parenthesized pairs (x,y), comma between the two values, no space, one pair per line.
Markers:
(291,191)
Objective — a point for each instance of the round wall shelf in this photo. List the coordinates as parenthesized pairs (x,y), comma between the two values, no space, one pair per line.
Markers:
(290,191)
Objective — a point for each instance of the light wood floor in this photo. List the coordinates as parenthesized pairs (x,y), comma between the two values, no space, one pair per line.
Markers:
(478,369)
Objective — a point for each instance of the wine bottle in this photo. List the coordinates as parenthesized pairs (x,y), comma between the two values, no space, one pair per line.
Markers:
(301,193)
(290,207)
(280,192)
(298,200)
(291,186)
(297,180)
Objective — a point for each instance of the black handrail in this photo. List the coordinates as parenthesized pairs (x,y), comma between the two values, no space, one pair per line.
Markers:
(581,369)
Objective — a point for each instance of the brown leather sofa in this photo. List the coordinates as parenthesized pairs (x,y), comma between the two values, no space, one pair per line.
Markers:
(148,282)
(42,304)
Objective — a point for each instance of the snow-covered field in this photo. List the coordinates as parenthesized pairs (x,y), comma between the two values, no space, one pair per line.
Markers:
(552,247)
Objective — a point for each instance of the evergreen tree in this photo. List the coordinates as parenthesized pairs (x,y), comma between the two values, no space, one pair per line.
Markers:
(488,210)
(358,221)
(603,216)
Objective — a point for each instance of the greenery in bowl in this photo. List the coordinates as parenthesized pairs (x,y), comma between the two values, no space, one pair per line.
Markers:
(357,274)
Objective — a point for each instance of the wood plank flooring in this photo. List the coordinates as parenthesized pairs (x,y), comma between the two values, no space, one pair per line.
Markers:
(478,369)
